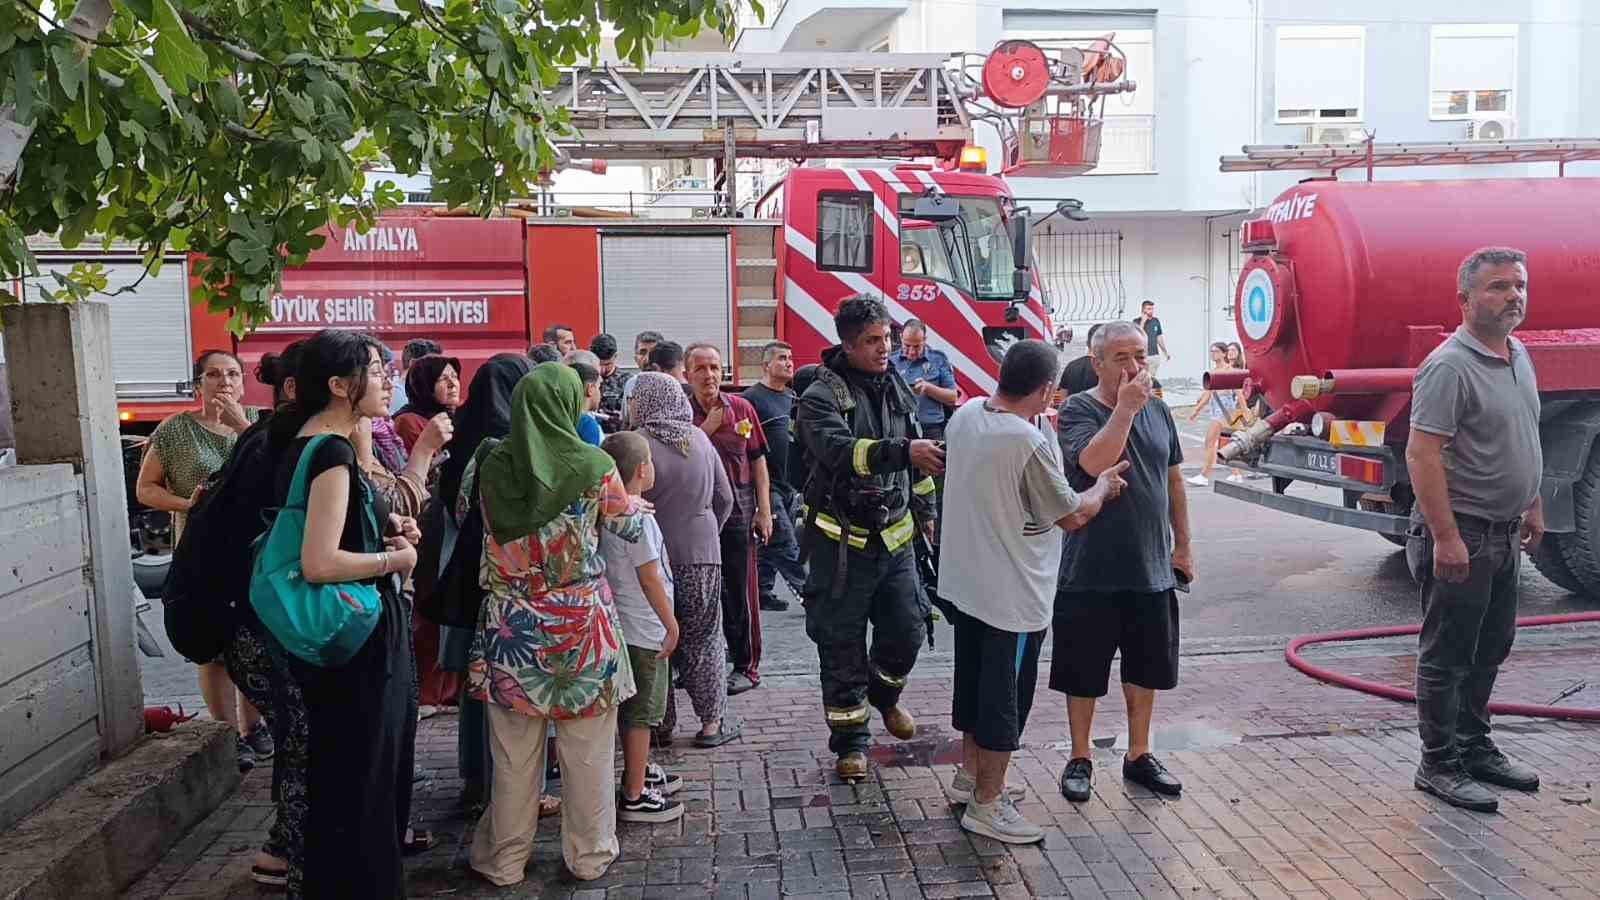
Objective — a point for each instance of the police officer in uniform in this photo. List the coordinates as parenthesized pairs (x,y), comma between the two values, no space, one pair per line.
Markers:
(865,501)
(930,376)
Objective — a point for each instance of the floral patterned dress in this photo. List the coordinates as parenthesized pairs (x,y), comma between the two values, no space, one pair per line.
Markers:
(548,642)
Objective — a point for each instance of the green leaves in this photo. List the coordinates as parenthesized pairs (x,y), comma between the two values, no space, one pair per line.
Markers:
(177,57)
(237,130)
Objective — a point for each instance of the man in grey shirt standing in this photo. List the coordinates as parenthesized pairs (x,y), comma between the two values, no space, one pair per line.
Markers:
(1475,464)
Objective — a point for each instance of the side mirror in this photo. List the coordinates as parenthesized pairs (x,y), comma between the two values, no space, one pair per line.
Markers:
(1020,229)
(936,208)
(1072,209)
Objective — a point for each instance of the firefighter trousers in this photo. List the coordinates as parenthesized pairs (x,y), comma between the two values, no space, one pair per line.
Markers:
(881,589)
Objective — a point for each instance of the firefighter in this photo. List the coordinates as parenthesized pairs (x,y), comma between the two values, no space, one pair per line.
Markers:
(864,503)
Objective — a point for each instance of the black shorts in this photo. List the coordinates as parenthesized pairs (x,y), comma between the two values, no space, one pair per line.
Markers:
(1091,627)
(996,672)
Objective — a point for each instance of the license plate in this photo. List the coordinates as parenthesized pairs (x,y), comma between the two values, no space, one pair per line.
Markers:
(1322,461)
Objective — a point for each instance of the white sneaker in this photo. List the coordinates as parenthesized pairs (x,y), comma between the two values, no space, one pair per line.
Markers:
(1198,480)
(962,786)
(1236,478)
(1001,821)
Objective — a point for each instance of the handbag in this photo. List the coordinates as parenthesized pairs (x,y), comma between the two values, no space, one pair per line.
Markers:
(322,624)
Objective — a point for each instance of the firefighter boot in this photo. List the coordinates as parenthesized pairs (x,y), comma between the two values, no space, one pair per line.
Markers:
(900,723)
(852,766)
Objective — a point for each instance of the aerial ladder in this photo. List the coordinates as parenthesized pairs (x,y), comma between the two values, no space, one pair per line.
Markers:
(1045,100)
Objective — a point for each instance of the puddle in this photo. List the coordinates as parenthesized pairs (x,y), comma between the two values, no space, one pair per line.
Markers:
(1170,736)
(933,750)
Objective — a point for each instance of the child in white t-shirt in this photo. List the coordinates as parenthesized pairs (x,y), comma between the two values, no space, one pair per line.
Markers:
(641,584)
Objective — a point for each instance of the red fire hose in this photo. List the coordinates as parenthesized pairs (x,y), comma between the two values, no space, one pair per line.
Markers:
(1379,689)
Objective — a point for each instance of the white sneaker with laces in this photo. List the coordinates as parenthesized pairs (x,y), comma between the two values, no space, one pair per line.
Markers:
(1198,480)
(656,778)
(962,786)
(1001,821)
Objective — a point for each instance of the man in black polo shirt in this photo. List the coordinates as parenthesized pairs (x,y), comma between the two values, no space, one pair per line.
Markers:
(774,403)
(1119,573)
(1475,463)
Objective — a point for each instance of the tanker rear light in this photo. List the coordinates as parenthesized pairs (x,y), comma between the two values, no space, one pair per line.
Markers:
(1258,235)
(126,416)
(1361,468)
(973,159)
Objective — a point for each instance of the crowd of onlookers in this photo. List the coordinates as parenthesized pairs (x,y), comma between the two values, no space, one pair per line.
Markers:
(620,531)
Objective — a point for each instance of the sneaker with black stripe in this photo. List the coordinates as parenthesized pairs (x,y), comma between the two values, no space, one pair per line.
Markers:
(650,807)
(657,779)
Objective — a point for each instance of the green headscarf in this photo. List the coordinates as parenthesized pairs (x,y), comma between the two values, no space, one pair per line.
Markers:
(542,466)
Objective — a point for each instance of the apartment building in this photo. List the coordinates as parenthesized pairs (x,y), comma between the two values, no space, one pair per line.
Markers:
(1214,75)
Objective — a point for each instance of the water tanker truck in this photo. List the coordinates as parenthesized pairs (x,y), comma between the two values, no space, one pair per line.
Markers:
(1351,284)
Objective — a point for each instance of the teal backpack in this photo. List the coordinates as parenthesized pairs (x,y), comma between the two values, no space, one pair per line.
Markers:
(323,624)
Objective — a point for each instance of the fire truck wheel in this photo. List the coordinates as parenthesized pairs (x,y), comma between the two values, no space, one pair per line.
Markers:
(1551,562)
(1399,540)
(1580,550)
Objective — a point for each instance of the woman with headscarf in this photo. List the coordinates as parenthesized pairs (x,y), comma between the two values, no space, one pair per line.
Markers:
(548,646)
(433,388)
(693,500)
(485,417)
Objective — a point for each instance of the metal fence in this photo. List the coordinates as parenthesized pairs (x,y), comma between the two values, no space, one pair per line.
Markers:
(1127,146)
(1082,274)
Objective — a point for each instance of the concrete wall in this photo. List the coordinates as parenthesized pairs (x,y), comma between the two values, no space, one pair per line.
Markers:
(49,713)
(70,692)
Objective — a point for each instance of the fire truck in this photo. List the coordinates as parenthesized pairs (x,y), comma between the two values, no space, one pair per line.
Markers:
(940,241)
(1351,284)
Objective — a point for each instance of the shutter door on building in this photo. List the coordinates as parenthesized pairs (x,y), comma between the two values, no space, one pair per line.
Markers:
(150,337)
(672,283)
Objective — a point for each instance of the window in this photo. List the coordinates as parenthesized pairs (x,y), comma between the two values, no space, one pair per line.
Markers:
(978,245)
(923,253)
(1082,274)
(844,231)
(1473,69)
(1321,73)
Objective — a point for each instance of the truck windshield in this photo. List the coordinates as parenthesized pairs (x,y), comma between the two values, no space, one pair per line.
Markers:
(977,252)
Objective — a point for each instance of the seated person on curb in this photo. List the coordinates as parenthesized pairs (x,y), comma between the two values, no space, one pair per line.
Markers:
(998,572)
(641,584)
(1120,573)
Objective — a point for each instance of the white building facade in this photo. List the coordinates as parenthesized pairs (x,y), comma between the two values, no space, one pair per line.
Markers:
(1214,75)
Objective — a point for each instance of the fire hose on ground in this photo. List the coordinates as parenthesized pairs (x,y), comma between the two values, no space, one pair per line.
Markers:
(1389,691)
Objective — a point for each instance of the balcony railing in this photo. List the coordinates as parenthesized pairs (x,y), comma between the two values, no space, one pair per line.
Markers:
(1127,146)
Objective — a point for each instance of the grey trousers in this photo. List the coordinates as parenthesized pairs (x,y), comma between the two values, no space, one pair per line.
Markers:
(1467,632)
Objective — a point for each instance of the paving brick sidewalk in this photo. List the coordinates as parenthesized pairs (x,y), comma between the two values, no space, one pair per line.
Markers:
(1293,788)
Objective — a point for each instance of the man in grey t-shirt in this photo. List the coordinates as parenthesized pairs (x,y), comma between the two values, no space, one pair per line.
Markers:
(1475,464)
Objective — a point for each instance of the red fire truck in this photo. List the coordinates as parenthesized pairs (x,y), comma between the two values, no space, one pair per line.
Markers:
(1351,284)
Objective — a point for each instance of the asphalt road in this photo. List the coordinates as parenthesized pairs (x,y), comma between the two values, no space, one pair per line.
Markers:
(1263,576)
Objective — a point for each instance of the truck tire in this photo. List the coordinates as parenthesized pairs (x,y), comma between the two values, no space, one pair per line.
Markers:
(1550,560)
(1399,540)
(1580,550)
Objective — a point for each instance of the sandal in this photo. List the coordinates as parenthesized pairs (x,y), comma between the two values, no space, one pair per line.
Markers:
(421,841)
(726,731)
(549,806)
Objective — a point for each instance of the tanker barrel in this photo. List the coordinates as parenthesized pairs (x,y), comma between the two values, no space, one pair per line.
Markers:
(1231,380)
(1370,381)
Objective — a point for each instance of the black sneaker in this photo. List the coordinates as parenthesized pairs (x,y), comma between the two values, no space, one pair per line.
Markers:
(772,603)
(247,755)
(260,740)
(657,779)
(1077,780)
(1148,771)
(650,807)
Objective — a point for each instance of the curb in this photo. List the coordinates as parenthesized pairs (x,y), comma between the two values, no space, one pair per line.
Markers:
(112,825)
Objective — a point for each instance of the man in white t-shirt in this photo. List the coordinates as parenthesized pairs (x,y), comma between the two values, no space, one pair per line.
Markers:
(998,567)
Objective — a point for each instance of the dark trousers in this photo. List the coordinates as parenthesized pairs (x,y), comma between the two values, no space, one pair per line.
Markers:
(1467,632)
(781,555)
(741,606)
(881,589)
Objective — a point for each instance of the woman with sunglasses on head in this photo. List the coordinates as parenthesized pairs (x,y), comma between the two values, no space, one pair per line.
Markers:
(360,760)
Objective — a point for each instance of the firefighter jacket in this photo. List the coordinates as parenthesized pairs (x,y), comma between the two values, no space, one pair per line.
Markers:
(856,430)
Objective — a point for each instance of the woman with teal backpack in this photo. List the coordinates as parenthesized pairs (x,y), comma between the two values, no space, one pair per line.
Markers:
(357,682)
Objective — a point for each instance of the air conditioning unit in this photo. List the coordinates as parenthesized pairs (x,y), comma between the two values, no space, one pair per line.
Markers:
(1494,126)
(1342,133)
